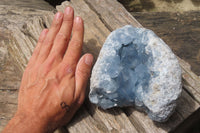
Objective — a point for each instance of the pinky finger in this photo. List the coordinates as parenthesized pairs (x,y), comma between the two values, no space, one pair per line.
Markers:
(37,48)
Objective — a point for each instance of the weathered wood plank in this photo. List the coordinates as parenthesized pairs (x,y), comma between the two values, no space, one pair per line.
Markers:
(182,111)
(180,30)
(112,13)
(120,122)
(84,123)
(191,81)
(103,8)
(95,34)
(9,72)
(8,106)
(95,30)
(24,36)
(21,22)
(100,18)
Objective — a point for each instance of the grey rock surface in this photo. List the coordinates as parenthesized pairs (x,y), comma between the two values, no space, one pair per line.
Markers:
(136,68)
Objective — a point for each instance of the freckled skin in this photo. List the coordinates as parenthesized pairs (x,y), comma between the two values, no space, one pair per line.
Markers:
(54,82)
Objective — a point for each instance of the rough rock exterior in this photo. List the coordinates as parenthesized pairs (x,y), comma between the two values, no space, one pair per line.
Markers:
(135,67)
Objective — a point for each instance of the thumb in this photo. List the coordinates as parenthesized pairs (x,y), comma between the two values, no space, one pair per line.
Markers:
(82,74)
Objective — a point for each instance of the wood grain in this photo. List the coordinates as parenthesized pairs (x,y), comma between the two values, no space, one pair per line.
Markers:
(20,31)
(8,106)
(180,30)
(21,22)
(110,13)
(95,34)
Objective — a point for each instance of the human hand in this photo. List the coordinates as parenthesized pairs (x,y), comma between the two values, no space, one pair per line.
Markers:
(54,82)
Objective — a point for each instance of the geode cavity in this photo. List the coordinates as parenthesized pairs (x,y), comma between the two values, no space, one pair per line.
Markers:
(135,67)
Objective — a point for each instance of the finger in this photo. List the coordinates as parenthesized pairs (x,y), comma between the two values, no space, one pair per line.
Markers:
(38,47)
(81,76)
(64,34)
(73,52)
(48,42)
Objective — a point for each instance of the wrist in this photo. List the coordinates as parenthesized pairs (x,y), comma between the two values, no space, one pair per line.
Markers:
(26,122)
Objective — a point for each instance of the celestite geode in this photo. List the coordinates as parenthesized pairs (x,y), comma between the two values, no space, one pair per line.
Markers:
(135,67)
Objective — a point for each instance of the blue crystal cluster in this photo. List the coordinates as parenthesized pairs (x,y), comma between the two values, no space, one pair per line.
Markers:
(135,67)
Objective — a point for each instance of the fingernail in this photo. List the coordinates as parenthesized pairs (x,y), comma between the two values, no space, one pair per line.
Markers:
(44,31)
(78,19)
(68,10)
(89,60)
(58,16)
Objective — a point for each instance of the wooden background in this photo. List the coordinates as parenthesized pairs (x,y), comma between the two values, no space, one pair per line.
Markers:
(20,25)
